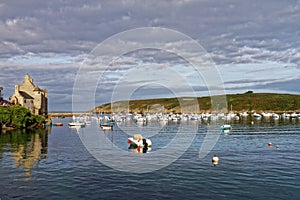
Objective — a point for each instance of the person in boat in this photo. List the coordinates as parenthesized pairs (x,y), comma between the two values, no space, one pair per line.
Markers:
(145,143)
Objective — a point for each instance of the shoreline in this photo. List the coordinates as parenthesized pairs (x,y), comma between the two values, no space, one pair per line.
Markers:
(67,114)
(70,114)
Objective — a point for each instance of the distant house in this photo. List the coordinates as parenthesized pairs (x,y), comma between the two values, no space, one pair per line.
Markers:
(31,96)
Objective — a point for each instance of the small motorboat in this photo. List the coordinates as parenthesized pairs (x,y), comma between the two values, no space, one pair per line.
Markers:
(226,127)
(106,126)
(138,141)
(54,124)
(58,124)
(256,115)
(81,124)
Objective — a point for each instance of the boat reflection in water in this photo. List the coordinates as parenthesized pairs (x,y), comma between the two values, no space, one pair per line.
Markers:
(137,149)
(28,148)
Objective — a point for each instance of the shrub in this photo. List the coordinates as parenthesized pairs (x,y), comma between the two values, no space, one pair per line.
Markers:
(18,117)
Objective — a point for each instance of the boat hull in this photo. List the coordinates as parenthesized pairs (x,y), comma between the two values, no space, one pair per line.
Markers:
(140,143)
(106,127)
(76,124)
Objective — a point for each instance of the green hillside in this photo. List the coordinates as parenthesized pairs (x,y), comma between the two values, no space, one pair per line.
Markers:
(237,102)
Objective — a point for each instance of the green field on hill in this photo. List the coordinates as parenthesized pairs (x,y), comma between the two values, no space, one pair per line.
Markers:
(248,101)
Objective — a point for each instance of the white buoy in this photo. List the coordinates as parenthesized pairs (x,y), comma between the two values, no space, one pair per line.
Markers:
(215,160)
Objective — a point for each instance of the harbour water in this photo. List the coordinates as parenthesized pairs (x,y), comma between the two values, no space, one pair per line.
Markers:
(54,164)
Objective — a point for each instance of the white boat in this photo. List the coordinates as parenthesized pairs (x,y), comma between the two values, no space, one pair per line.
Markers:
(106,126)
(275,116)
(226,127)
(138,141)
(244,114)
(294,115)
(285,115)
(256,115)
(266,114)
(76,124)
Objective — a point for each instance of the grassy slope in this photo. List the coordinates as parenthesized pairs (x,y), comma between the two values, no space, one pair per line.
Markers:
(238,102)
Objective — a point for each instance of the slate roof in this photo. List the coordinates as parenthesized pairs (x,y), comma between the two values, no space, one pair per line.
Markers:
(25,95)
(36,88)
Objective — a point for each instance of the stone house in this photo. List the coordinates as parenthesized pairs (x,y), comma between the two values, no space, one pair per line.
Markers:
(31,96)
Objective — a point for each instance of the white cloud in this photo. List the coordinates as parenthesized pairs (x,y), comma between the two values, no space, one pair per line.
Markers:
(51,39)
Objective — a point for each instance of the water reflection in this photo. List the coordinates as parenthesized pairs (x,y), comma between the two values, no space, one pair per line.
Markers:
(26,148)
(136,149)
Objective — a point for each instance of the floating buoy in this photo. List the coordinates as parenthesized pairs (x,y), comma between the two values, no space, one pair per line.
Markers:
(215,159)
(270,144)
(59,124)
(277,147)
(252,122)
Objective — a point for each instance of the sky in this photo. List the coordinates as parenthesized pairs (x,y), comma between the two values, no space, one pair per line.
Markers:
(254,45)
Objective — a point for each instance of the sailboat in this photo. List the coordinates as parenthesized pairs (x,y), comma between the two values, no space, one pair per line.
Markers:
(76,122)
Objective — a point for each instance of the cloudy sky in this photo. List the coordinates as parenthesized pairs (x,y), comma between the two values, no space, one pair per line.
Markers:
(253,44)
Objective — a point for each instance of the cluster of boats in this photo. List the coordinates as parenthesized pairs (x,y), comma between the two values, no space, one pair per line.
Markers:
(106,123)
(138,144)
(293,115)
(142,118)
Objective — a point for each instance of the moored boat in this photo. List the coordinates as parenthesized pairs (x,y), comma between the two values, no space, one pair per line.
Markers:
(106,126)
(138,141)
(256,115)
(58,124)
(226,128)
(76,124)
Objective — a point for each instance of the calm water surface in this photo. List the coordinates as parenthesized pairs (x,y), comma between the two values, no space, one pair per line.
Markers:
(54,164)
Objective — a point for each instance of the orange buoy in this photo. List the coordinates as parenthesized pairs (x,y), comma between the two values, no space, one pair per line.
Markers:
(270,144)
(59,124)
